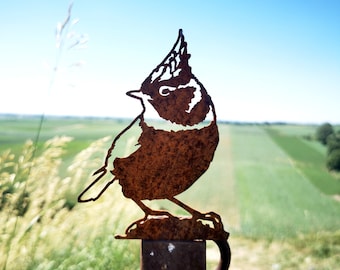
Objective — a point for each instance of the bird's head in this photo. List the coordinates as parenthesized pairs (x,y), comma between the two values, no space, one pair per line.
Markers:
(174,92)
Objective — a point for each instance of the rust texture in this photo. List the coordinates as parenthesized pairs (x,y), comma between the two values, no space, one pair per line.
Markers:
(175,228)
(167,162)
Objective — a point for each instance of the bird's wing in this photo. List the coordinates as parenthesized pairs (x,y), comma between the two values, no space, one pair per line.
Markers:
(98,186)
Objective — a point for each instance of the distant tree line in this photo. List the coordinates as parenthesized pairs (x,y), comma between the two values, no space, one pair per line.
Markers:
(329,137)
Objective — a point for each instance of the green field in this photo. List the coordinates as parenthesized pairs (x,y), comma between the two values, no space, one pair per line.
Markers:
(268,182)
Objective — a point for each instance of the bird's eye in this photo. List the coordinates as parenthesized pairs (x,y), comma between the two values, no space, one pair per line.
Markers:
(165,90)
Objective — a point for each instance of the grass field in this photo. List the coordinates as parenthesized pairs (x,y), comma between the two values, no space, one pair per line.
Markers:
(276,199)
(268,183)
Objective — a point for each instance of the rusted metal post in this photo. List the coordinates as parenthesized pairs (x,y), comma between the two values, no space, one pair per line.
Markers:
(173,254)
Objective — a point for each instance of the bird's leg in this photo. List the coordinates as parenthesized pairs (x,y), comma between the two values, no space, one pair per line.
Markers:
(210,216)
(148,212)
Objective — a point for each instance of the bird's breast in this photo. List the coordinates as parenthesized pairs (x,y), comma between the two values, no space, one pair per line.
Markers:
(167,162)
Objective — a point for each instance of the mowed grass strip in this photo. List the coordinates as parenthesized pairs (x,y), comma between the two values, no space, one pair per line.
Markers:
(307,159)
(275,199)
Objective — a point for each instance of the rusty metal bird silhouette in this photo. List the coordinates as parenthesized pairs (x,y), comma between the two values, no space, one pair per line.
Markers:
(167,162)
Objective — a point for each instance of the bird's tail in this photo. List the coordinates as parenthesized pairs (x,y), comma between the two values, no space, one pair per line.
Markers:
(93,188)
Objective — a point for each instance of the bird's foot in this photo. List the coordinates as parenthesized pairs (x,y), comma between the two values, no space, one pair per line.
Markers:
(210,217)
(149,215)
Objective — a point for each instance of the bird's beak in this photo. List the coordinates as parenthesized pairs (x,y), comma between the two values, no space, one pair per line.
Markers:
(139,95)
(135,94)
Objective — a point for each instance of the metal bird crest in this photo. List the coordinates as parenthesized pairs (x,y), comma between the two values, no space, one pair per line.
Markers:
(167,162)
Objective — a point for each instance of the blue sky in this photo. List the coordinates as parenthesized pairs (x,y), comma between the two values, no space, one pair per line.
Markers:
(259,60)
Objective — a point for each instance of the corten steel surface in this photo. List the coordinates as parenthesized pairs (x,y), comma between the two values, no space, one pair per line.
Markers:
(167,162)
(173,255)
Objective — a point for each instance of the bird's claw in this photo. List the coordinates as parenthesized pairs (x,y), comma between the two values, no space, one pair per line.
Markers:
(210,216)
(154,213)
